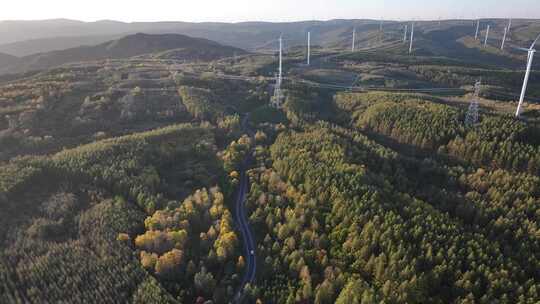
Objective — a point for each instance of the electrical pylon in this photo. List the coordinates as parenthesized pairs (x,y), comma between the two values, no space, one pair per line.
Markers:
(277,99)
(472,114)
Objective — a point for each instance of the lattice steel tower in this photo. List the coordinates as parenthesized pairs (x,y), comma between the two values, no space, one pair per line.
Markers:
(277,99)
(472,114)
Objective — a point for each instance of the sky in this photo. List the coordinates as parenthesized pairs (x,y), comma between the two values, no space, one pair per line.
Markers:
(269,10)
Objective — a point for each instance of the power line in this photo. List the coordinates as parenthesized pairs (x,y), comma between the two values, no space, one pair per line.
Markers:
(509,95)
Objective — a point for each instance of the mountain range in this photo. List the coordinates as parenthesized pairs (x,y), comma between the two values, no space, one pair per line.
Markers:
(22,38)
(132,45)
(36,45)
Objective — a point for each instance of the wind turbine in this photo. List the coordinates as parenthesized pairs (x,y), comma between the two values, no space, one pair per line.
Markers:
(530,56)
(381,30)
(504,38)
(405,33)
(412,38)
(308,48)
(487,36)
(353,39)
(477,28)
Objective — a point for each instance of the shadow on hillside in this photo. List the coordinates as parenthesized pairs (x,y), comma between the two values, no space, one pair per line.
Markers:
(445,42)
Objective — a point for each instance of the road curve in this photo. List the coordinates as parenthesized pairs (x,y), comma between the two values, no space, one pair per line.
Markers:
(243,224)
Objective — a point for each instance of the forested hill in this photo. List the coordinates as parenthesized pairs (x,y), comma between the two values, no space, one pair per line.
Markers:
(123,181)
(21,38)
(398,203)
(129,46)
(65,218)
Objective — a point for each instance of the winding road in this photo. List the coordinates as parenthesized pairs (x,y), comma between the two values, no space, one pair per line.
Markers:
(243,224)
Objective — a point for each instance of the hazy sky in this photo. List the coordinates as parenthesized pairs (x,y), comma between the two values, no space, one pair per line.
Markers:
(269,10)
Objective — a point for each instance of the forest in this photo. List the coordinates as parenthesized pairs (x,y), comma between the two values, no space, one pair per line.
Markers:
(344,224)
(130,181)
(374,197)
(87,213)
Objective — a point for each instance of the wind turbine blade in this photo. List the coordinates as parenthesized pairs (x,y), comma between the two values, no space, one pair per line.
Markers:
(521,49)
(532,45)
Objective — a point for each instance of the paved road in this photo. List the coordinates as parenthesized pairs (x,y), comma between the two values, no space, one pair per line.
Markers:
(243,225)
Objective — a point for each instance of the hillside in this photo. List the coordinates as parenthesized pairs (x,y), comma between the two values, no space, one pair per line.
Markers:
(380,195)
(7,60)
(125,47)
(19,30)
(245,35)
(45,45)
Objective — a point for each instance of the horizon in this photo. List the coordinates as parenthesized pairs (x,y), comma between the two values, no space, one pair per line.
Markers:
(265,21)
(239,11)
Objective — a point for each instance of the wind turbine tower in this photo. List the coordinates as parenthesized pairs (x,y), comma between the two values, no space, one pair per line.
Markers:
(405,33)
(412,38)
(472,114)
(487,36)
(353,39)
(308,48)
(530,56)
(278,96)
(280,58)
(381,32)
(504,38)
(477,29)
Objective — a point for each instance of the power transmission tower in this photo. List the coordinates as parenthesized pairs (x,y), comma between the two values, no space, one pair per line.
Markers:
(477,29)
(278,96)
(472,114)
